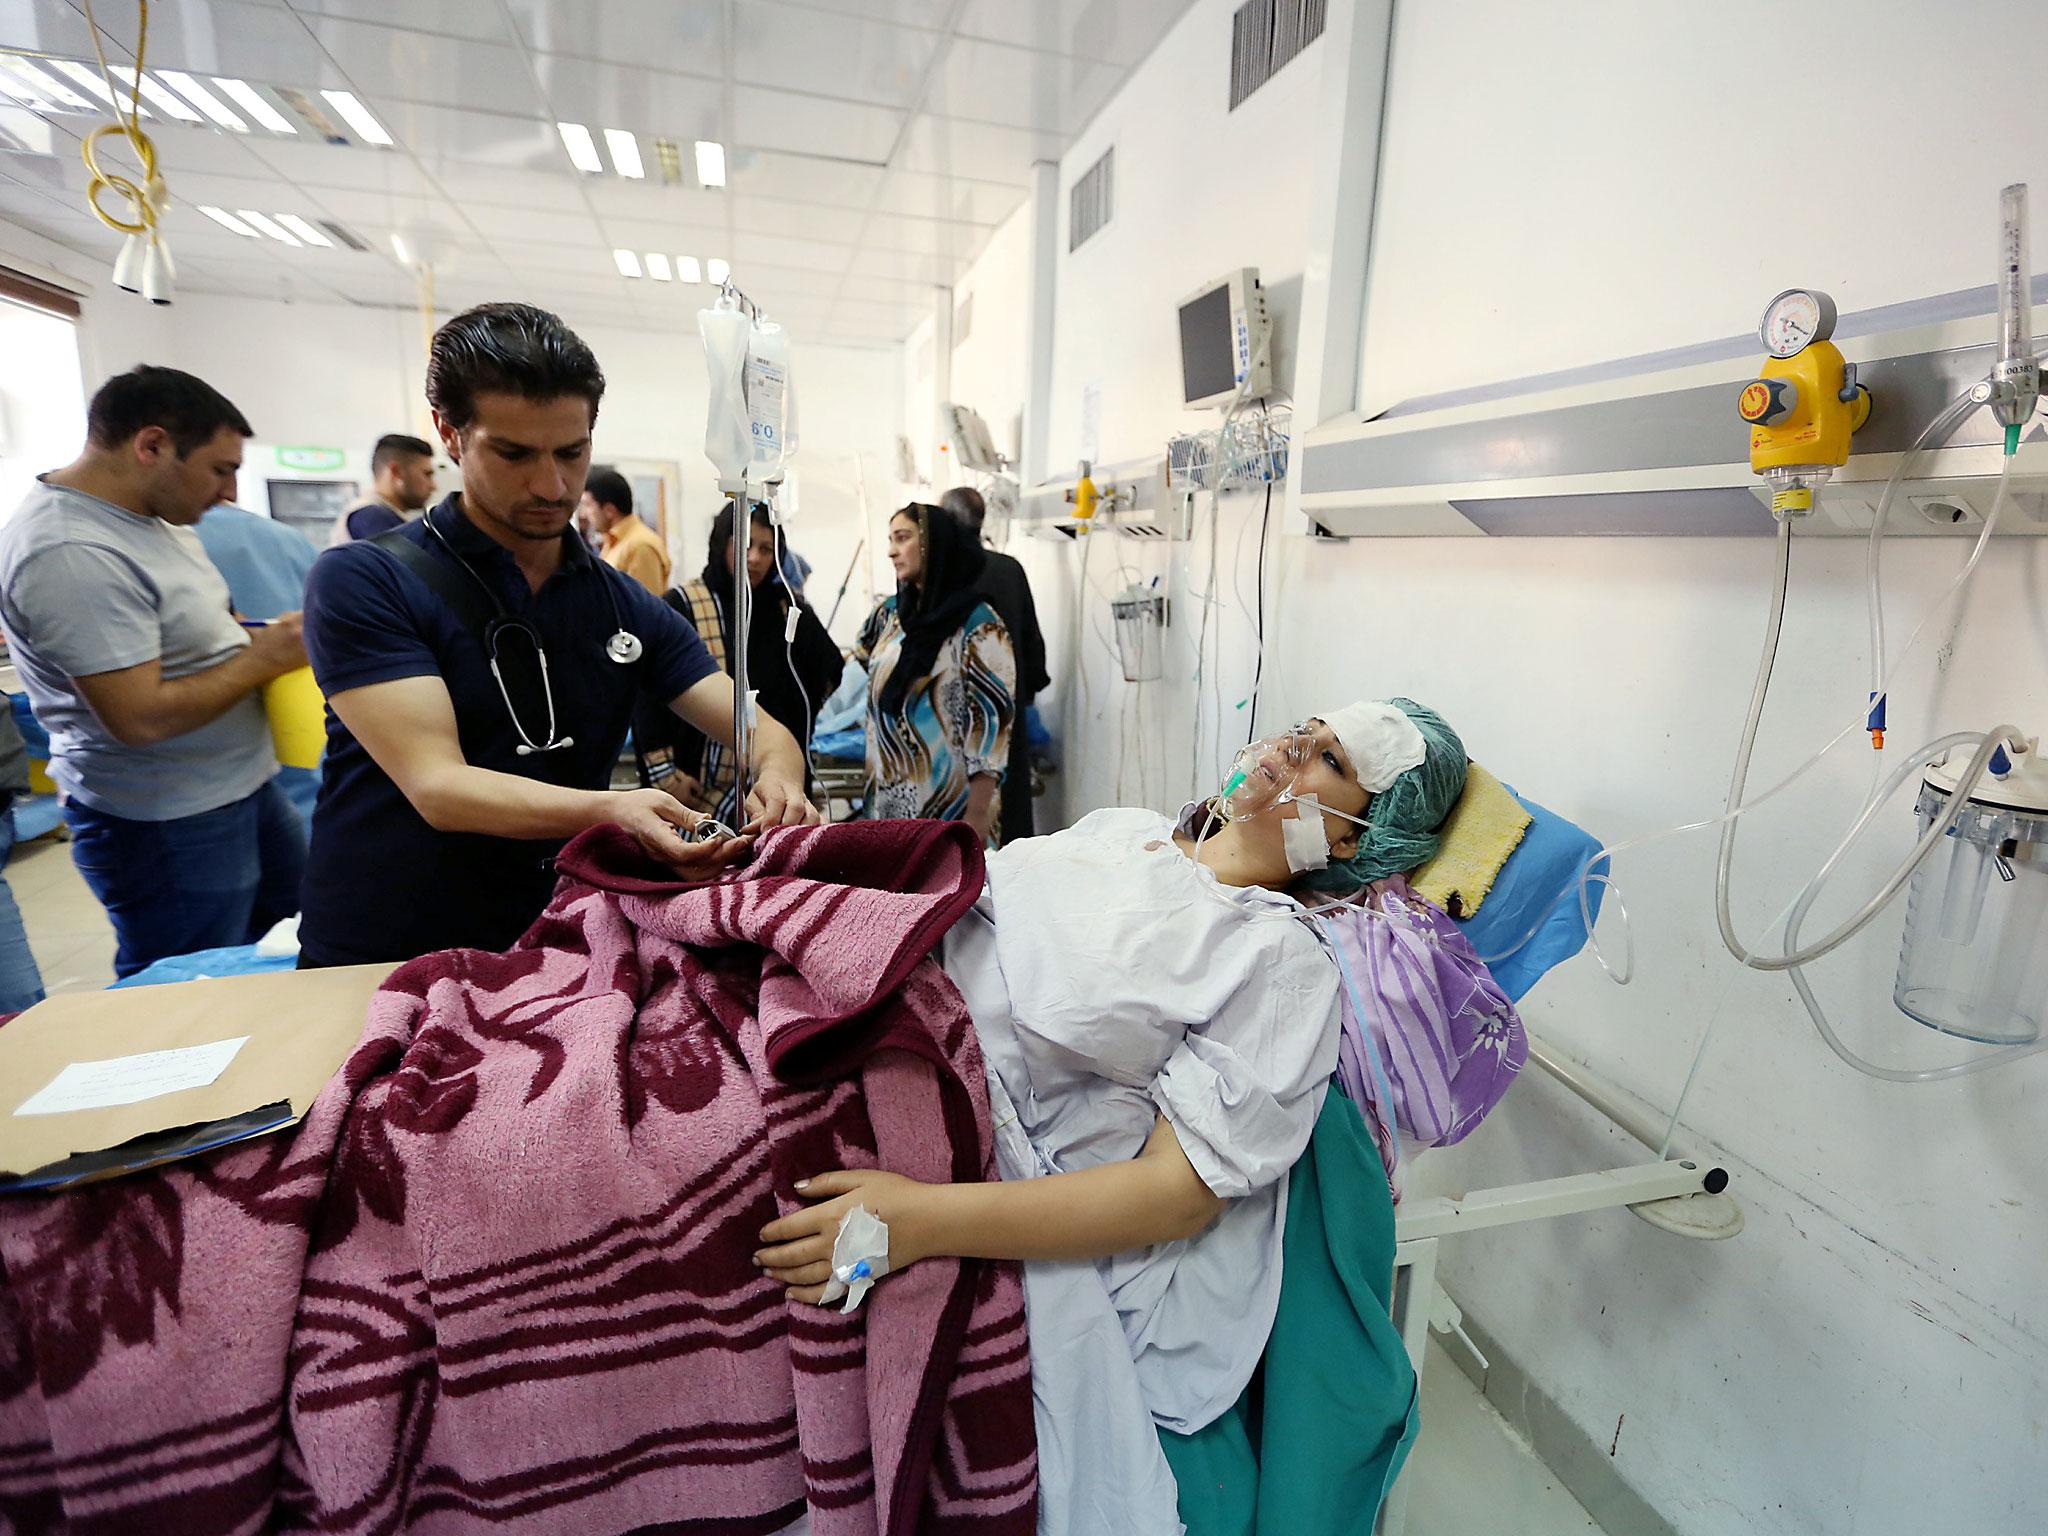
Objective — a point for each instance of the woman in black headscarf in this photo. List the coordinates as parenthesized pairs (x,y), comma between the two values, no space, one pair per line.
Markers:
(793,677)
(942,680)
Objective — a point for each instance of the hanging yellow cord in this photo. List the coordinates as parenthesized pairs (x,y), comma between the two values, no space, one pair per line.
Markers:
(147,200)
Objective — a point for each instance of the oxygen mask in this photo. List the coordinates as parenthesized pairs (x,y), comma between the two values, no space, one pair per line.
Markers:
(1263,774)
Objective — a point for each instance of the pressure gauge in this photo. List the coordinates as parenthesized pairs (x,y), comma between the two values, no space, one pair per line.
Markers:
(1794,318)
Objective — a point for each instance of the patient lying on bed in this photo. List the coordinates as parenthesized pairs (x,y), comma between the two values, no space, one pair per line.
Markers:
(1160,1028)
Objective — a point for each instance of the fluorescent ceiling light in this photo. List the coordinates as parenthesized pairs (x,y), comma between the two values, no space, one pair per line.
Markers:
(88,77)
(38,87)
(688,270)
(228,221)
(267,224)
(657,267)
(582,148)
(303,230)
(203,99)
(26,86)
(710,163)
(717,269)
(161,98)
(625,152)
(44,80)
(629,264)
(245,96)
(398,249)
(358,116)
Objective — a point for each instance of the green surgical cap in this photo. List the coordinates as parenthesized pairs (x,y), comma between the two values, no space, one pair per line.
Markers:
(1401,823)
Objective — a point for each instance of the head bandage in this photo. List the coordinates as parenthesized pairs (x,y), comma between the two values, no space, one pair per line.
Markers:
(1381,740)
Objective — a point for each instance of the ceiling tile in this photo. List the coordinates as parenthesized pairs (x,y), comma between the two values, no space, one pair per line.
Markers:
(809,125)
(225,37)
(675,236)
(684,35)
(306,163)
(398,65)
(513,227)
(931,237)
(992,82)
(652,103)
(811,221)
(886,290)
(537,193)
(616,197)
(788,251)
(1120,34)
(44,26)
(805,178)
(591,258)
(830,54)
(387,210)
(949,197)
(951,146)
(930,14)
(906,266)
(485,138)
(265,194)
(58,175)
(481,19)
(184,149)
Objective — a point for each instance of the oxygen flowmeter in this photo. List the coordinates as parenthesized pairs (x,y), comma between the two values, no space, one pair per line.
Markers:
(1804,403)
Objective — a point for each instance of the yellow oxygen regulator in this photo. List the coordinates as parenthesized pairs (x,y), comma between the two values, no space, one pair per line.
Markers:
(1804,402)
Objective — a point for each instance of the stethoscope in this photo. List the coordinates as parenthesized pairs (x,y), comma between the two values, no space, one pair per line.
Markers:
(623,647)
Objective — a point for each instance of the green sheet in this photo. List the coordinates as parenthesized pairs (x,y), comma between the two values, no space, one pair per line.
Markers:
(1320,1434)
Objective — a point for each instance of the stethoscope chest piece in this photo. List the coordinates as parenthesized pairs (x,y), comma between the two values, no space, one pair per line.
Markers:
(624,648)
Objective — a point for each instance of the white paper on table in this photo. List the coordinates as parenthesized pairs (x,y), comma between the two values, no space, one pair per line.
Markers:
(131,1079)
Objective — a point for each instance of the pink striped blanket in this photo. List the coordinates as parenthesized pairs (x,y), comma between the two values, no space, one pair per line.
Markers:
(501,1273)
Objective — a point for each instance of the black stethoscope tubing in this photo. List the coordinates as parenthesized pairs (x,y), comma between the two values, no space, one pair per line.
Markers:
(623,647)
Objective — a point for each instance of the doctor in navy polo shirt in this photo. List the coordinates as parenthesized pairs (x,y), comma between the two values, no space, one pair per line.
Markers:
(481,667)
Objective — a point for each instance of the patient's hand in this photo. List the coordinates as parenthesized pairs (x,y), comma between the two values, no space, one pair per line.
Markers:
(799,1251)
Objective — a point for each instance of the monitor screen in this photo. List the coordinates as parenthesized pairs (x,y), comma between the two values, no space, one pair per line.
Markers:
(1208,357)
(311,506)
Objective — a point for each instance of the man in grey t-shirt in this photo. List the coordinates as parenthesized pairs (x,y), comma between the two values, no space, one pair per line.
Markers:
(150,689)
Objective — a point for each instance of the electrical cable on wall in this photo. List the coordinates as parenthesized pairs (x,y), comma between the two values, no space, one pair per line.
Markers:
(144,265)
(1259,667)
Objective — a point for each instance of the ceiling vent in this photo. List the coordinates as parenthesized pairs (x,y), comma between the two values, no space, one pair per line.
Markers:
(1264,35)
(343,234)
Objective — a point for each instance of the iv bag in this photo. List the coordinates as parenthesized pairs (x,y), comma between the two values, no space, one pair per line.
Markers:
(767,392)
(728,441)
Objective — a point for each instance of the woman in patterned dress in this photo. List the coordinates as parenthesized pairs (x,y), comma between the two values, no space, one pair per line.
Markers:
(942,680)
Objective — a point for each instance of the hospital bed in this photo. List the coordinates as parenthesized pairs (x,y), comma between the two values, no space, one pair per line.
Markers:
(1683,1194)
(1679,1192)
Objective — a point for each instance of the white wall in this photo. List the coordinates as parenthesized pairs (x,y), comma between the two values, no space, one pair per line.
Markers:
(1868,1356)
(1567,186)
(343,376)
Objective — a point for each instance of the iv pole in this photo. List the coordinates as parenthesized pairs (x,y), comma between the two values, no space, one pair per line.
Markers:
(742,614)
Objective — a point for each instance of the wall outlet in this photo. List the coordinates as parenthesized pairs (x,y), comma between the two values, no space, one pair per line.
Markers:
(1947,511)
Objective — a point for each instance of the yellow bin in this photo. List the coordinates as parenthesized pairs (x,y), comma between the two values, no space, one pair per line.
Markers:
(298,718)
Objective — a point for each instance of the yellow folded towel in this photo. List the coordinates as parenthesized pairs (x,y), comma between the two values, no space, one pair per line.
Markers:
(1484,827)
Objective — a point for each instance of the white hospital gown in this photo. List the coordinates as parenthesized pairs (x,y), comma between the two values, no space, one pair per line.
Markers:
(1113,980)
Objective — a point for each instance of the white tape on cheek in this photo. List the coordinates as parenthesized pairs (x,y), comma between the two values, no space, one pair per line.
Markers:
(1302,837)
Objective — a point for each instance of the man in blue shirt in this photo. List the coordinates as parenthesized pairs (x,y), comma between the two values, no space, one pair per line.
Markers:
(481,667)
(402,474)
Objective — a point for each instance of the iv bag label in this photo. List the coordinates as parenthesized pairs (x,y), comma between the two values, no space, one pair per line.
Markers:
(766,385)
